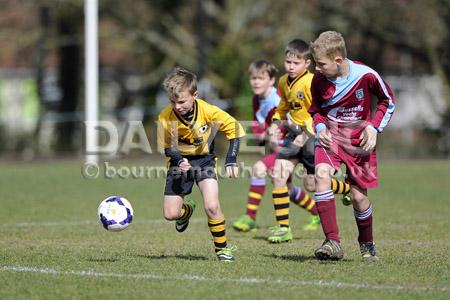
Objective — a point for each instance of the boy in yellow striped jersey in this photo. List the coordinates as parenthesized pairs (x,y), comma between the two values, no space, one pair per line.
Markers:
(298,146)
(265,100)
(186,131)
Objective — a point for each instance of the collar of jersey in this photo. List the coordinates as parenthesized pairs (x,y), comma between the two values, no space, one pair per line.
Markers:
(194,119)
(291,84)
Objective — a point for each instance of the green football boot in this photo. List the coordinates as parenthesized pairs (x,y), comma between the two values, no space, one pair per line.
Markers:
(346,199)
(280,234)
(313,224)
(368,252)
(330,250)
(181,225)
(226,254)
(245,224)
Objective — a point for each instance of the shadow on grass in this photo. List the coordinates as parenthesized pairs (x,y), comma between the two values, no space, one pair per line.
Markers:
(298,258)
(102,259)
(303,258)
(264,238)
(185,257)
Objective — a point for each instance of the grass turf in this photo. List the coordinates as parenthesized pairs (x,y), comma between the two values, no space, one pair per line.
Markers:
(53,248)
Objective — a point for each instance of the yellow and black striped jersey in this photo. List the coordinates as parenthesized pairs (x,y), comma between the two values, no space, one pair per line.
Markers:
(295,100)
(196,137)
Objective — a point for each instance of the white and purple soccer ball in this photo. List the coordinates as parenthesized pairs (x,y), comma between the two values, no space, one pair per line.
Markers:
(115,213)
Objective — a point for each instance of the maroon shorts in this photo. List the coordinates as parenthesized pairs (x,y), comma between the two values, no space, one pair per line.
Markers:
(361,168)
(269,161)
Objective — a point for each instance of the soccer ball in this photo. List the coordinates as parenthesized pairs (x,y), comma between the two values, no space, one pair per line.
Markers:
(115,213)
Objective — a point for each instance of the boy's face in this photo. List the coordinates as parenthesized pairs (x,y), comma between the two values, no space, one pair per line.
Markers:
(328,67)
(261,83)
(184,102)
(294,65)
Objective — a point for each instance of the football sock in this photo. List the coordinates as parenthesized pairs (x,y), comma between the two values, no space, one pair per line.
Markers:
(280,197)
(217,228)
(339,187)
(255,194)
(186,212)
(327,212)
(302,199)
(364,223)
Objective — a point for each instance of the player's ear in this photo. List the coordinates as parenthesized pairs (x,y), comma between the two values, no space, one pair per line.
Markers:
(195,94)
(338,59)
(308,62)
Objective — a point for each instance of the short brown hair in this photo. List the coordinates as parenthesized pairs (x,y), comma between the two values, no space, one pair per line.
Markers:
(299,48)
(179,80)
(263,66)
(330,44)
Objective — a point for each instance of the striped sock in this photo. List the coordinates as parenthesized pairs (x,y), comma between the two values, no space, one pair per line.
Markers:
(186,212)
(280,197)
(327,212)
(339,187)
(217,229)
(364,223)
(255,194)
(302,199)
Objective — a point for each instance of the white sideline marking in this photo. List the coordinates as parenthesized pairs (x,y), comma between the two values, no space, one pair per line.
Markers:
(241,280)
(87,222)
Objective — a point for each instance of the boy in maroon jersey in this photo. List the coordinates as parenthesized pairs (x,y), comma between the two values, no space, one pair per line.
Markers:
(346,132)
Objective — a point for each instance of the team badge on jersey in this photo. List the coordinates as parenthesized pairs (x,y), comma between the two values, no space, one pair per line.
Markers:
(300,95)
(203,129)
(359,94)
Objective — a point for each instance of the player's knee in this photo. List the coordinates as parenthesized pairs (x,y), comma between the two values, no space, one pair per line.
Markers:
(358,197)
(212,209)
(279,181)
(309,184)
(171,214)
(322,173)
(259,170)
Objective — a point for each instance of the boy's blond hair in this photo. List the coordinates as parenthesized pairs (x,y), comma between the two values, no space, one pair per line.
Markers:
(299,48)
(178,81)
(329,44)
(261,66)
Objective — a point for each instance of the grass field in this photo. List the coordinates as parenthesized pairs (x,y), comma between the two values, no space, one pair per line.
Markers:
(52,247)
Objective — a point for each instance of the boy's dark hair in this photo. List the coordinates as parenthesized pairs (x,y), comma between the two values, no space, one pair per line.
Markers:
(263,66)
(299,48)
(179,80)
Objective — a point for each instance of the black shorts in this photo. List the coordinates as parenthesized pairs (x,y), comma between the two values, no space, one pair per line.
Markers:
(180,183)
(304,155)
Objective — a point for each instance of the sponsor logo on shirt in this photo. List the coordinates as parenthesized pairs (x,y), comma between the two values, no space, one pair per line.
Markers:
(346,114)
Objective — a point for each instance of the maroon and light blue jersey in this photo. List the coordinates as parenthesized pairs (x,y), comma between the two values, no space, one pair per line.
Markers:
(344,107)
(263,110)
(346,103)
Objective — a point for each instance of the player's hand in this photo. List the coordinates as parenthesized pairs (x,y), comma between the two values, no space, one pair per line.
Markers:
(300,140)
(232,171)
(184,165)
(324,138)
(368,139)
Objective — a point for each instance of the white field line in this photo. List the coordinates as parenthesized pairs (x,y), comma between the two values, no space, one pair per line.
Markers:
(86,222)
(240,280)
